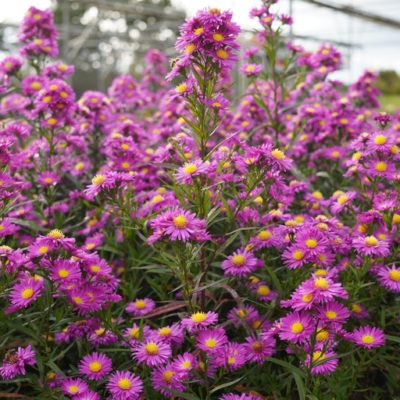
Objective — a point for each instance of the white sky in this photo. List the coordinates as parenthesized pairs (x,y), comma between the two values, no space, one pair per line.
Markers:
(380,45)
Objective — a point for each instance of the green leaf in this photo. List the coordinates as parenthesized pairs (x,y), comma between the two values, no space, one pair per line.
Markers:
(227,384)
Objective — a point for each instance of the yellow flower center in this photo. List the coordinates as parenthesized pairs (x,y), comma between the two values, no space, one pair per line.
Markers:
(297,328)
(134,333)
(371,241)
(36,86)
(317,196)
(124,384)
(367,339)
(321,283)
(73,389)
(322,336)
(394,275)
(77,300)
(95,366)
(98,180)
(199,317)
(218,37)
(318,356)
(238,260)
(167,376)
(190,169)
(180,222)
(198,31)
(181,88)
(311,243)
(231,360)
(298,255)
(63,273)
(263,290)
(330,314)
(278,154)
(380,166)
(380,140)
(396,219)
(306,298)
(27,293)
(157,199)
(55,234)
(342,199)
(95,269)
(210,343)
(264,235)
(80,166)
(186,365)
(164,331)
(140,304)
(100,331)
(151,349)
(43,250)
(190,48)
(356,308)
(222,54)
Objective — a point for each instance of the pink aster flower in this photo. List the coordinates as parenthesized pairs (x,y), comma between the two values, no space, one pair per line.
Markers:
(74,386)
(259,349)
(190,170)
(371,246)
(140,307)
(231,357)
(251,70)
(199,320)
(172,334)
(151,352)
(322,362)
(389,277)
(178,224)
(322,289)
(64,271)
(123,385)
(25,292)
(297,327)
(184,364)
(165,379)
(241,263)
(48,179)
(368,337)
(89,395)
(333,313)
(15,362)
(211,340)
(342,201)
(95,366)
(243,396)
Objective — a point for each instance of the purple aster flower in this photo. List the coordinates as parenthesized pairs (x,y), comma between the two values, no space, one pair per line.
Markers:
(368,337)
(25,292)
(259,349)
(10,65)
(184,364)
(95,366)
(296,327)
(333,313)
(165,378)
(74,386)
(151,352)
(190,170)
(388,277)
(211,340)
(231,357)
(15,362)
(89,395)
(123,385)
(178,224)
(322,362)
(140,307)
(199,320)
(251,70)
(371,246)
(241,263)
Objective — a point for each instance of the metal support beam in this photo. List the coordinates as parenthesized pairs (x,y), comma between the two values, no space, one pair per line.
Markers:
(356,12)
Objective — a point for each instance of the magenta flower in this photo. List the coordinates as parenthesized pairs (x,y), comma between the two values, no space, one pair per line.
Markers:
(199,320)
(184,364)
(371,246)
(241,263)
(190,170)
(151,352)
(232,356)
(25,292)
(333,313)
(165,379)
(259,349)
(123,385)
(140,307)
(322,362)
(211,340)
(368,337)
(297,327)
(15,362)
(95,366)
(389,277)
(178,224)
(74,386)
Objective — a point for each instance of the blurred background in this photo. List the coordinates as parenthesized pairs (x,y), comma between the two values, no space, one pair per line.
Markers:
(103,38)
